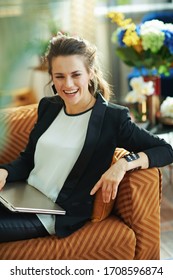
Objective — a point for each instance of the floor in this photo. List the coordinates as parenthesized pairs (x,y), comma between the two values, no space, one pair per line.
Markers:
(167,214)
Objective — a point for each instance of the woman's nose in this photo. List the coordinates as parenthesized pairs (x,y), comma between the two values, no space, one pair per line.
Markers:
(68,82)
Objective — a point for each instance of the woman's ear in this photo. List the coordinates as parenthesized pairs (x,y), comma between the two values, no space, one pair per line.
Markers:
(91,74)
(54,89)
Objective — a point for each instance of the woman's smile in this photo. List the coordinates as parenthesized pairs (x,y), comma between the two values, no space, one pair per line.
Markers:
(71,92)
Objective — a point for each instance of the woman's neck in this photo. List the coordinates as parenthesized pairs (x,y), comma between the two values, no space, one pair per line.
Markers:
(81,106)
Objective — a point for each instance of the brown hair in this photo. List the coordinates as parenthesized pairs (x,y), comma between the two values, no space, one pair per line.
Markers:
(63,45)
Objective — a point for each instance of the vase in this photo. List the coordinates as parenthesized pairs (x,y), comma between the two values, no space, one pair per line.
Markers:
(153,101)
(142,110)
(138,111)
(156,83)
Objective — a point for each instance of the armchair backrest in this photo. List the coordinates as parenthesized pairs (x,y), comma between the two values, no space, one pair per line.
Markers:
(15,126)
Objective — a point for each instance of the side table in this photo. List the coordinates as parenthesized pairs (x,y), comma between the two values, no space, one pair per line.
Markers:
(166,133)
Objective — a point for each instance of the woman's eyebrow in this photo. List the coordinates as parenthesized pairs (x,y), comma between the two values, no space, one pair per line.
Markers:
(74,72)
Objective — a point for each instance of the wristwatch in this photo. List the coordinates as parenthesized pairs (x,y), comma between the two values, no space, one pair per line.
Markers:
(131,157)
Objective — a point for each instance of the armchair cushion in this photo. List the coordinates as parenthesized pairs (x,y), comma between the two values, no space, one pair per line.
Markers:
(110,239)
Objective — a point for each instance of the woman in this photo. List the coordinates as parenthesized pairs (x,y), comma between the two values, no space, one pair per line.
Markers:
(70,149)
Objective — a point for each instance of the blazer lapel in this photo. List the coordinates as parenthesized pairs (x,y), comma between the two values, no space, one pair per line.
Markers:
(51,113)
(92,137)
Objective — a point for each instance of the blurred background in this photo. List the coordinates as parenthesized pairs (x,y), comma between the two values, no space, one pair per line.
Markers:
(26,25)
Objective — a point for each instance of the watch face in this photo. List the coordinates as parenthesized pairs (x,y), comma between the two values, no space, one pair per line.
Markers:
(131,157)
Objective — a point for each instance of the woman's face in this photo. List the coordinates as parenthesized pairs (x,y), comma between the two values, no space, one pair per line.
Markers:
(71,80)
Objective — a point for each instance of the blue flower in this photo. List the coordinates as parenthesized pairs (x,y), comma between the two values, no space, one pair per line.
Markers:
(120,36)
(169,39)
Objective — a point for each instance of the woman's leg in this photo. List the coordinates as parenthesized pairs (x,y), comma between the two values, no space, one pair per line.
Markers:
(19,226)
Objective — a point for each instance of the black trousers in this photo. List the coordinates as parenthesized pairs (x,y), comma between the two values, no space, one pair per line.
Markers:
(19,226)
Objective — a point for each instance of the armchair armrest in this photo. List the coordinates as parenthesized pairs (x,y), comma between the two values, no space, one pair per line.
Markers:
(138,205)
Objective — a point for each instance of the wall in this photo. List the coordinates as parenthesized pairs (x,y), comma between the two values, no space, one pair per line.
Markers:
(22,23)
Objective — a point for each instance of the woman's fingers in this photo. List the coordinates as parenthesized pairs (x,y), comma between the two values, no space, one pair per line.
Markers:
(106,193)
(109,182)
(96,187)
(3,176)
(109,189)
(2,183)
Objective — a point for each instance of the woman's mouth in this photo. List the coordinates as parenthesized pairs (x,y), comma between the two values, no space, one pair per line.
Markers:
(71,92)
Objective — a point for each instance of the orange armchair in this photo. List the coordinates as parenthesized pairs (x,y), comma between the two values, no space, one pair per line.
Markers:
(126,229)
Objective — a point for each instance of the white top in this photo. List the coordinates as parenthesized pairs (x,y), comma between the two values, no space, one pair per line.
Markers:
(56,152)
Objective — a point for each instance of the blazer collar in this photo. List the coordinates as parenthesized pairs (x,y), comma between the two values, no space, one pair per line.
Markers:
(54,106)
(92,137)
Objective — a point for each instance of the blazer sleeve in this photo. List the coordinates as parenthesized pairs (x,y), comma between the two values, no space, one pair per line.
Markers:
(20,168)
(133,138)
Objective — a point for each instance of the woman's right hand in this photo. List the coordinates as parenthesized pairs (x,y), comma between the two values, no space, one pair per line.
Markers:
(3,177)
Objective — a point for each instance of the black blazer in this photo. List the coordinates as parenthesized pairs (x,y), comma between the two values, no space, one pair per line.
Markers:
(109,127)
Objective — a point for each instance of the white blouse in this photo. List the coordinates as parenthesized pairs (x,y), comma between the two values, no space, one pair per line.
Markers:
(56,152)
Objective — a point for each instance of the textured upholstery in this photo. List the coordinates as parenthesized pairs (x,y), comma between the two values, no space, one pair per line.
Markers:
(131,231)
(139,209)
(15,125)
(109,239)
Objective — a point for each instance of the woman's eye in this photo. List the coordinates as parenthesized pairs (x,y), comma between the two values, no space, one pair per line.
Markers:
(76,75)
(59,77)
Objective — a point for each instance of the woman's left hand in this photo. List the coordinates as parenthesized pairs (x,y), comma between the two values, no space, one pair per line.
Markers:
(110,180)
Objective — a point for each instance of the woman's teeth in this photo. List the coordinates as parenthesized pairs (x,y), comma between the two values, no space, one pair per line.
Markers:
(70,91)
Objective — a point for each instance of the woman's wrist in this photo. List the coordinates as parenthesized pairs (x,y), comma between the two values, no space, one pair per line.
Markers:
(131,159)
(136,161)
(123,164)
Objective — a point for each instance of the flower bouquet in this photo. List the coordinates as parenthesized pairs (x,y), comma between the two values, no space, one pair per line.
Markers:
(147,45)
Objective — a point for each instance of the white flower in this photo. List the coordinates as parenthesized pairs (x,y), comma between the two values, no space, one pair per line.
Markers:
(168,26)
(140,89)
(133,97)
(152,35)
(166,108)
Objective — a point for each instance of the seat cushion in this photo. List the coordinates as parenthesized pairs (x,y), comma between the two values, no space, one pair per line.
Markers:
(108,239)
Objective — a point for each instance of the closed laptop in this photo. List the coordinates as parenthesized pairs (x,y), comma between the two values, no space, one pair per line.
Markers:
(22,197)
